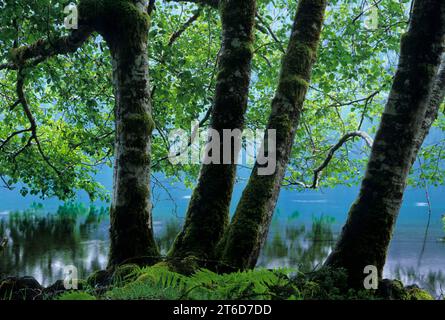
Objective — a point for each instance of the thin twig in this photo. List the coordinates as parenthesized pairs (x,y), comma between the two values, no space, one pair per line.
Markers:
(31,119)
(317,172)
(175,36)
(270,31)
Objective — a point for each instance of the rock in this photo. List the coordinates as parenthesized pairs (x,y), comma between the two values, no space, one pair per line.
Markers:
(390,289)
(100,279)
(20,288)
(186,266)
(58,288)
(415,293)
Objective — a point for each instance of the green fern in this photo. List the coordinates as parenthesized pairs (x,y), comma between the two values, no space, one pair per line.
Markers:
(155,282)
(158,282)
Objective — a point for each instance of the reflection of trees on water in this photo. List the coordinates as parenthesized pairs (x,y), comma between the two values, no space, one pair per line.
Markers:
(168,235)
(41,244)
(291,244)
(432,281)
(294,245)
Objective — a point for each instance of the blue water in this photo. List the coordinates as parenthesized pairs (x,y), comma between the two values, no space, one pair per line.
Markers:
(412,257)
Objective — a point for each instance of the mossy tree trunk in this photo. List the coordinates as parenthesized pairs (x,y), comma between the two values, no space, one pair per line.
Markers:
(124,24)
(208,211)
(432,111)
(245,236)
(366,235)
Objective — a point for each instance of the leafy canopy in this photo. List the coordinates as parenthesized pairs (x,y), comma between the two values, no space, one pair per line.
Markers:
(71,97)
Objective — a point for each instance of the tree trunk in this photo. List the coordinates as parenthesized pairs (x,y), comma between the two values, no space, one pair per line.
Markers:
(432,111)
(250,225)
(208,211)
(124,24)
(366,235)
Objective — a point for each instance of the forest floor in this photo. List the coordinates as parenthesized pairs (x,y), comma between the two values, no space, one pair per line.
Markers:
(130,282)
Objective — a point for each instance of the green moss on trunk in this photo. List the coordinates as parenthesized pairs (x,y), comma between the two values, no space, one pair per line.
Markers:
(125,26)
(367,233)
(246,234)
(208,211)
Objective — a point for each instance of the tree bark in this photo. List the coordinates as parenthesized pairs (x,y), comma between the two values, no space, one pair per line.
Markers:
(208,211)
(366,235)
(432,111)
(124,24)
(248,230)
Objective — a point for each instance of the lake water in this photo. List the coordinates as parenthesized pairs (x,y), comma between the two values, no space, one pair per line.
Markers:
(45,238)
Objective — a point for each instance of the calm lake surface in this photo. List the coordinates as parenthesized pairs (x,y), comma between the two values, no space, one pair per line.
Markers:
(45,237)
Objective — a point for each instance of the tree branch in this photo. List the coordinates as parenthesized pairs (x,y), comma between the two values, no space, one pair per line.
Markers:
(45,48)
(8,65)
(184,27)
(211,3)
(12,135)
(348,136)
(32,55)
(151,7)
(317,172)
(6,185)
(270,31)
(192,138)
(347,103)
(32,121)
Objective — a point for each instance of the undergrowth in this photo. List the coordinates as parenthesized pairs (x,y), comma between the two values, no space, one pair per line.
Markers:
(159,283)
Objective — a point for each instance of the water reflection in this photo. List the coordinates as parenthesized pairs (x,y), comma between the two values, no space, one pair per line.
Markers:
(41,244)
(305,247)
(170,230)
(293,245)
(432,281)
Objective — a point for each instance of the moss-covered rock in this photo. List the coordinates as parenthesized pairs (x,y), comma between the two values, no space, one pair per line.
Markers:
(161,281)
(392,290)
(23,288)
(329,284)
(58,288)
(186,266)
(99,279)
(395,290)
(415,293)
